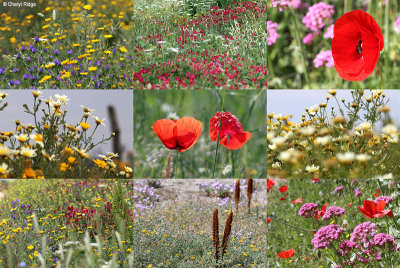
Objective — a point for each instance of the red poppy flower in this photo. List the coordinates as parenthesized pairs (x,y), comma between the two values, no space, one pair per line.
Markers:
(179,134)
(298,200)
(377,193)
(232,135)
(283,189)
(268,220)
(283,197)
(356,45)
(372,210)
(321,212)
(270,183)
(286,254)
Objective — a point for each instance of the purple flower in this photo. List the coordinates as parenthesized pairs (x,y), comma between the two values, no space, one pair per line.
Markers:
(357,192)
(333,211)
(329,32)
(272,34)
(324,58)
(363,232)
(326,235)
(309,38)
(338,189)
(387,199)
(308,210)
(345,247)
(382,239)
(397,24)
(316,16)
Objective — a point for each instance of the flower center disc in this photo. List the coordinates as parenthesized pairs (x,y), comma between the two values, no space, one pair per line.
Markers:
(359,47)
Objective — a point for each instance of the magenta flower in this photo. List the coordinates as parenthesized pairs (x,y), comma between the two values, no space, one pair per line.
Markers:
(326,235)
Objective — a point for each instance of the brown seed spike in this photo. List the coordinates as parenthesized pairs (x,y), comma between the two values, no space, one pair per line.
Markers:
(237,195)
(250,189)
(227,232)
(215,234)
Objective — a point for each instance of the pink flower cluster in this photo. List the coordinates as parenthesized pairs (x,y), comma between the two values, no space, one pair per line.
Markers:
(387,199)
(326,235)
(317,15)
(282,4)
(308,210)
(324,58)
(339,188)
(357,192)
(363,233)
(272,34)
(333,211)
(383,239)
(397,24)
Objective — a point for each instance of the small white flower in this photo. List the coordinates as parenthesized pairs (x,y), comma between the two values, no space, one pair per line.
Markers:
(227,170)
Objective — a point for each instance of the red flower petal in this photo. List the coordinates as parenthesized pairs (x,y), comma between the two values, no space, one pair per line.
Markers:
(188,131)
(283,197)
(164,129)
(229,125)
(380,206)
(377,193)
(298,200)
(283,189)
(270,183)
(286,254)
(355,61)
(231,131)
(236,141)
(179,134)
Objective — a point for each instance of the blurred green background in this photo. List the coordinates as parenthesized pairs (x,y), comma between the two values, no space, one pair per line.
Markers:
(151,156)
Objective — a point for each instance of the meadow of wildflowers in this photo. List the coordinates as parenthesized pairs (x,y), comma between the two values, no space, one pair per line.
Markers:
(126,223)
(333,44)
(334,223)
(180,137)
(352,137)
(51,145)
(134,44)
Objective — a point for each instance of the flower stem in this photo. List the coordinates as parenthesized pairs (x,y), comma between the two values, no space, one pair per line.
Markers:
(295,227)
(219,130)
(297,35)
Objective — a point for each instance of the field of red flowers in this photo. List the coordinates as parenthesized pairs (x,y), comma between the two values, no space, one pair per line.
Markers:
(153,45)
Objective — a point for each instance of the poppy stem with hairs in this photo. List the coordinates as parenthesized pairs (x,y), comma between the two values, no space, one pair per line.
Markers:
(219,130)
(295,227)
(303,62)
(176,163)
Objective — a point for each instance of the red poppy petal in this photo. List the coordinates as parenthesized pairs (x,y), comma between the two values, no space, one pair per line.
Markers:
(370,206)
(283,189)
(235,141)
(366,213)
(229,125)
(164,129)
(286,254)
(380,206)
(187,132)
(348,30)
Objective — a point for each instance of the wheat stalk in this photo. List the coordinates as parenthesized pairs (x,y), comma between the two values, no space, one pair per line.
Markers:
(250,189)
(237,195)
(215,234)
(227,232)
